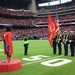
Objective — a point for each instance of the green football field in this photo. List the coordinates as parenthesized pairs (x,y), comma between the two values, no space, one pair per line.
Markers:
(40,59)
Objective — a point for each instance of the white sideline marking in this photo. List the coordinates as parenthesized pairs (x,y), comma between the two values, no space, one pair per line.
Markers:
(41,60)
(1,49)
(29,51)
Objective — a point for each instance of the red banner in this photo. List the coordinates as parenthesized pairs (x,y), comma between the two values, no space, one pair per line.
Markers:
(51,29)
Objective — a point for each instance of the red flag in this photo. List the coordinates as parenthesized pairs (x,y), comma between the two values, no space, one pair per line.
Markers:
(51,29)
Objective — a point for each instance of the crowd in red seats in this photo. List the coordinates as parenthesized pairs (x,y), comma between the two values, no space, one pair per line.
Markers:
(38,32)
(15,21)
(22,21)
(34,21)
(67,17)
(21,12)
(67,28)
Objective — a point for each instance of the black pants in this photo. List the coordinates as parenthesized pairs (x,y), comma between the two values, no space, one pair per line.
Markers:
(54,47)
(59,49)
(66,49)
(72,50)
(25,49)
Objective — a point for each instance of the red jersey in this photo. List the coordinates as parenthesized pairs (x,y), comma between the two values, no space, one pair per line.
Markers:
(8,40)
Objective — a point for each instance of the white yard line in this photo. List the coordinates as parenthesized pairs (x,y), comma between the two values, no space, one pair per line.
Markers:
(1,49)
(42,60)
(29,51)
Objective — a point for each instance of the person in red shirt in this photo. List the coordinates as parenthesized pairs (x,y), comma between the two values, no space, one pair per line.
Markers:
(7,39)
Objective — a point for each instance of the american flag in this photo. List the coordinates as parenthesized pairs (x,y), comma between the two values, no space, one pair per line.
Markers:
(57,22)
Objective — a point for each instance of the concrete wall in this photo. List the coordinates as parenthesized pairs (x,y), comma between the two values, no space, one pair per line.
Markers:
(32,6)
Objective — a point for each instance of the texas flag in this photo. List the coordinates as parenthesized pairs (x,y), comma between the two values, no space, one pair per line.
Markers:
(51,29)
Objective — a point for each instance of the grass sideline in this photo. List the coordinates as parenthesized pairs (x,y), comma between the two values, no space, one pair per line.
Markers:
(38,47)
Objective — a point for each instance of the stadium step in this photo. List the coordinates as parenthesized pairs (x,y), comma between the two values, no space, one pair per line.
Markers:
(13,65)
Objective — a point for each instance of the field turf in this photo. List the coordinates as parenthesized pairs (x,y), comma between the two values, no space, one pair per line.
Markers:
(38,48)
